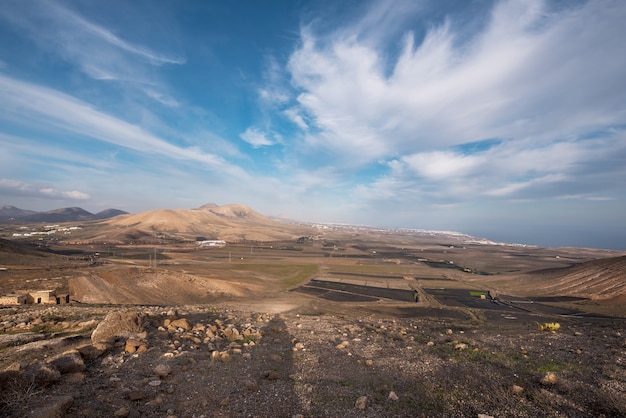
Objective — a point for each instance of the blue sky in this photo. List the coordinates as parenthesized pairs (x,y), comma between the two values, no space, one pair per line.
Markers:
(502,119)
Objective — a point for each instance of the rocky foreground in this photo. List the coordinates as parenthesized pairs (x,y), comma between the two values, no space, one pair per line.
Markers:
(215,361)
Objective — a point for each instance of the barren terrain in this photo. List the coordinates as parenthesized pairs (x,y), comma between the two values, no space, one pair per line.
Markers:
(294,320)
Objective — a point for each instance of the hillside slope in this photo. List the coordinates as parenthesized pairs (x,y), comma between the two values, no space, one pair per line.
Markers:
(599,279)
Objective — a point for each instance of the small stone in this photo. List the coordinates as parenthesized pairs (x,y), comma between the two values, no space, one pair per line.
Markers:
(517,389)
(392,396)
(271,375)
(549,379)
(361,402)
(162,370)
(133,345)
(134,396)
(342,345)
(449,331)
(299,346)
(460,346)
(369,362)
(122,412)
(251,385)
(155,383)
(276,357)
(182,323)
(430,343)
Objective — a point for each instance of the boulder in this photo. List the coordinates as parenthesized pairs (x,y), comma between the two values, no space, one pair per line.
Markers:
(68,362)
(118,324)
(42,374)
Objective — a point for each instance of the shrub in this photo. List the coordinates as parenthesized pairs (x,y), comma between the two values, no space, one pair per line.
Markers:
(549,326)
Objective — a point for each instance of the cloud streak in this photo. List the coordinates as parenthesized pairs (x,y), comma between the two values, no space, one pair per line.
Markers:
(26,103)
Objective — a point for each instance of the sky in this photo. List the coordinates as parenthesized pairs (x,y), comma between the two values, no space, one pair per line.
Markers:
(499,119)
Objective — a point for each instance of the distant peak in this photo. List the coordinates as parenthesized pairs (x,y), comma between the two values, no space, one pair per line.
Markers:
(208,206)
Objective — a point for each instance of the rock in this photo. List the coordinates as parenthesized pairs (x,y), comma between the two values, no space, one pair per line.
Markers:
(299,346)
(392,396)
(484,416)
(430,343)
(154,383)
(117,324)
(54,408)
(549,379)
(517,389)
(135,395)
(162,370)
(122,412)
(252,385)
(135,346)
(369,362)
(91,352)
(361,402)
(68,362)
(449,331)
(460,346)
(271,375)
(42,374)
(182,323)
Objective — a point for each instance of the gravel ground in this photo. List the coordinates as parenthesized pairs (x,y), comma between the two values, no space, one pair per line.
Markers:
(285,358)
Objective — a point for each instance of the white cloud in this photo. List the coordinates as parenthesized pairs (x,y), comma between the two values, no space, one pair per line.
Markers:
(537,76)
(74,195)
(440,165)
(296,117)
(11,187)
(530,72)
(256,138)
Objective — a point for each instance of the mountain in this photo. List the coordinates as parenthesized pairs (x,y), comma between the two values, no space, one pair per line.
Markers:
(59,215)
(229,222)
(235,211)
(8,212)
(109,213)
(73,214)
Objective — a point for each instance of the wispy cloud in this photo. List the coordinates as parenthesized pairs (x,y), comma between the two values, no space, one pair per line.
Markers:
(16,188)
(95,50)
(26,102)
